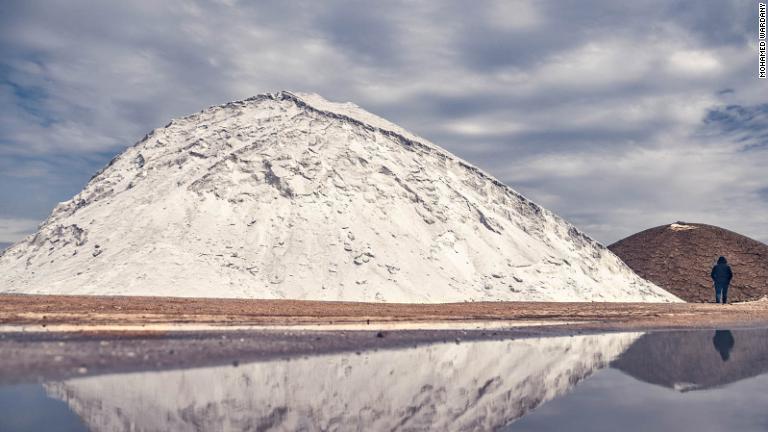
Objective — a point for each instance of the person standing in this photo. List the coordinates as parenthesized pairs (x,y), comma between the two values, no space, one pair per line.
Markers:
(721,276)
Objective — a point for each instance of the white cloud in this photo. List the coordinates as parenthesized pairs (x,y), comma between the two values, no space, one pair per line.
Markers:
(514,14)
(484,126)
(694,62)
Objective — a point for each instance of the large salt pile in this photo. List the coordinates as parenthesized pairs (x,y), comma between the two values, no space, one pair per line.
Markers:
(291,196)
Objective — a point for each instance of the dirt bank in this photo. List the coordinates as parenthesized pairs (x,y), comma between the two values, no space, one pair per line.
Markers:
(130,313)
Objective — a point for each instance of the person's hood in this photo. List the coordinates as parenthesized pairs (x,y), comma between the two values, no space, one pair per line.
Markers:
(722,260)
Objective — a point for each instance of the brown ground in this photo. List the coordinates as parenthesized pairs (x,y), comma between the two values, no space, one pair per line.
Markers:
(120,311)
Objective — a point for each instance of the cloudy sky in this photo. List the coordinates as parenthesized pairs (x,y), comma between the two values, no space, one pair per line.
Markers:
(620,116)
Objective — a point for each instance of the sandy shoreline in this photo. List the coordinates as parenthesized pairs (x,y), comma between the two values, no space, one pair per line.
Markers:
(30,313)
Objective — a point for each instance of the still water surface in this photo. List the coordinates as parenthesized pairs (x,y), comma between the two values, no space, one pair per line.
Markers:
(682,381)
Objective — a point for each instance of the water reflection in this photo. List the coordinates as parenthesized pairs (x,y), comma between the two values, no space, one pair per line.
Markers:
(723,341)
(466,386)
(686,360)
(479,385)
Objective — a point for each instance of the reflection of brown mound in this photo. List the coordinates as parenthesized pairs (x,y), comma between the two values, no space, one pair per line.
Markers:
(679,257)
(695,359)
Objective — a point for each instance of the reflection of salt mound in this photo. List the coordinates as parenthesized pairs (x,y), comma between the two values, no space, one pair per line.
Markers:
(469,386)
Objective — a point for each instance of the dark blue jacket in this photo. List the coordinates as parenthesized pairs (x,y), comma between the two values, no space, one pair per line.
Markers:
(721,273)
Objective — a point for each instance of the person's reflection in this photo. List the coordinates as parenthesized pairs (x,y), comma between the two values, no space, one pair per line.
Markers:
(723,341)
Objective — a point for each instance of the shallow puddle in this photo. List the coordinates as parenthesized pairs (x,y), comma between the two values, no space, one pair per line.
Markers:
(693,380)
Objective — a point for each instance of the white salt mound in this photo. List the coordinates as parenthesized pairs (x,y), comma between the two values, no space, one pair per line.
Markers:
(291,196)
(681,227)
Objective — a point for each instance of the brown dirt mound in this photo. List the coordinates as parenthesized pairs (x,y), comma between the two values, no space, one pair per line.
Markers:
(679,257)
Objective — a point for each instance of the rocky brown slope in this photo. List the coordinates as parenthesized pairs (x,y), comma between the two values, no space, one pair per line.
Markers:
(678,257)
